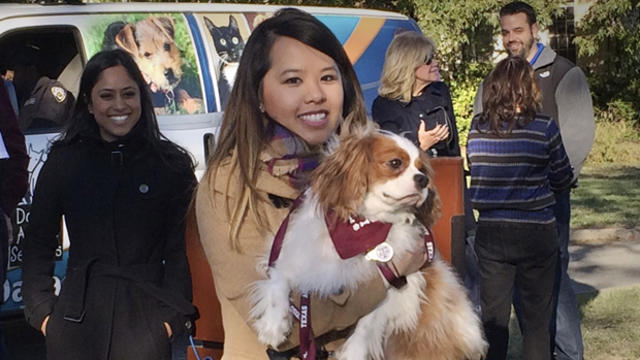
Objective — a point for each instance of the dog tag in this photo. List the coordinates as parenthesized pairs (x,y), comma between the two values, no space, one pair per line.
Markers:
(383,253)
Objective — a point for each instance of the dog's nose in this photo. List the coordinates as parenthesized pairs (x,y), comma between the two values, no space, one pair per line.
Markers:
(421,180)
(171,77)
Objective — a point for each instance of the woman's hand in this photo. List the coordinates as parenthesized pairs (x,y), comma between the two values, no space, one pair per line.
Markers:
(428,138)
(168,328)
(43,327)
(409,262)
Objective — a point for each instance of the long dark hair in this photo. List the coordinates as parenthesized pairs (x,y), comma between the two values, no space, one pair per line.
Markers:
(82,121)
(244,128)
(510,95)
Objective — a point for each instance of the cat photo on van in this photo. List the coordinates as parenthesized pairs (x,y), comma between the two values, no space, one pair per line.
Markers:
(229,44)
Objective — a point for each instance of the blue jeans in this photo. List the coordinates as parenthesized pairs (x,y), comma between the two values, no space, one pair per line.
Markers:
(565,323)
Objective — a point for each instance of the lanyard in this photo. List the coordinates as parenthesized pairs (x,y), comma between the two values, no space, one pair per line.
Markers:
(537,55)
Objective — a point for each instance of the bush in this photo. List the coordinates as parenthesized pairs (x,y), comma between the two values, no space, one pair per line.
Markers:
(617,137)
(619,111)
(462,97)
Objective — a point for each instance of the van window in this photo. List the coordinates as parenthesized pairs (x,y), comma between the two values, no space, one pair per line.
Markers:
(36,60)
(161,45)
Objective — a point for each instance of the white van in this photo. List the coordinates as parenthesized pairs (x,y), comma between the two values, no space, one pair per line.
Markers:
(209,40)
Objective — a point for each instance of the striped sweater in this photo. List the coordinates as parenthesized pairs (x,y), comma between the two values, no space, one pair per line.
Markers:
(513,176)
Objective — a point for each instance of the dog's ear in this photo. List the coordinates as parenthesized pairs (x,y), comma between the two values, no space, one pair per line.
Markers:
(126,40)
(165,24)
(429,212)
(341,180)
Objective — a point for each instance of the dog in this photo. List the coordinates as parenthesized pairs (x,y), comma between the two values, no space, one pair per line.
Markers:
(383,178)
(151,43)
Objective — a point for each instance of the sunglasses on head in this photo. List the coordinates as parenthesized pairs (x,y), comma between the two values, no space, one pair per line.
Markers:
(429,59)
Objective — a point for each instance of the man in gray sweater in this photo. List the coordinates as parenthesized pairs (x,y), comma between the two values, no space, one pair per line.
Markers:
(566,98)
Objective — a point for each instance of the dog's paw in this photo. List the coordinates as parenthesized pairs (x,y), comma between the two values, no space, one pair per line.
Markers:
(351,353)
(273,330)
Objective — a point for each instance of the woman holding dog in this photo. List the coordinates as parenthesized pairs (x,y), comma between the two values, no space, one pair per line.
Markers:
(412,100)
(295,88)
(123,190)
(517,161)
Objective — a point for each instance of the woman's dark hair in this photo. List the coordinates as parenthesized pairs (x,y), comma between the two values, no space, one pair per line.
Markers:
(82,121)
(510,95)
(245,130)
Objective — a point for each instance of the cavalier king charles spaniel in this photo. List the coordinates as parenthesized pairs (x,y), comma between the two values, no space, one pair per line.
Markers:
(371,183)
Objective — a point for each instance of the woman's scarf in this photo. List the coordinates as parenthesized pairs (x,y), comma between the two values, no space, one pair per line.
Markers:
(289,158)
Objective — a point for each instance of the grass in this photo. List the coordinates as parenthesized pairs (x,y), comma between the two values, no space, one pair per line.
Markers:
(610,325)
(608,196)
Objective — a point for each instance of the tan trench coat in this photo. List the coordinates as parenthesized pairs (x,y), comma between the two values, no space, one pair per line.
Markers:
(234,272)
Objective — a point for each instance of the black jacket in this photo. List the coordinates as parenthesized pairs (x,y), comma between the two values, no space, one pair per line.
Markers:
(434,106)
(127,271)
(14,177)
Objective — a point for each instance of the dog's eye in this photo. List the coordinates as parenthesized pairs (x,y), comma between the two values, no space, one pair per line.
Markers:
(147,55)
(167,46)
(395,163)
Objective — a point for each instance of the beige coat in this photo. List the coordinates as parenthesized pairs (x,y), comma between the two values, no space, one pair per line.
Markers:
(234,272)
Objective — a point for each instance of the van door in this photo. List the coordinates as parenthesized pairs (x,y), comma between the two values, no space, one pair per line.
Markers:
(32,56)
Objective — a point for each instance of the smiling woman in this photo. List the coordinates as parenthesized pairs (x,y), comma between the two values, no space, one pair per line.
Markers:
(115,103)
(303,90)
(127,290)
(295,88)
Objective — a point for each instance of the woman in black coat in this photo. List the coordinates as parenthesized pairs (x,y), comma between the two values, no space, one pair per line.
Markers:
(412,101)
(123,191)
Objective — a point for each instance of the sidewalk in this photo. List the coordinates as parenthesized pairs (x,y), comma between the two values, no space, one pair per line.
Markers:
(599,263)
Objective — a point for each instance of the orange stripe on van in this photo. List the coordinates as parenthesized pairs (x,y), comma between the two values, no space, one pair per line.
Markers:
(361,37)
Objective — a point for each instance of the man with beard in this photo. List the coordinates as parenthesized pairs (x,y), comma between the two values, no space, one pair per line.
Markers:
(566,98)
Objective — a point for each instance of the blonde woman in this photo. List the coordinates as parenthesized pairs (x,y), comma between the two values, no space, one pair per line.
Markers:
(412,100)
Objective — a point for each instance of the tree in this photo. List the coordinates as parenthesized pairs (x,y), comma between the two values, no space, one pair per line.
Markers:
(608,43)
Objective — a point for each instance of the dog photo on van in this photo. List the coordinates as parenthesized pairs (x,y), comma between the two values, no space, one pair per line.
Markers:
(152,42)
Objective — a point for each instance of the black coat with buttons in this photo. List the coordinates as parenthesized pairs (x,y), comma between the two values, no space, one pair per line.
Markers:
(434,106)
(124,207)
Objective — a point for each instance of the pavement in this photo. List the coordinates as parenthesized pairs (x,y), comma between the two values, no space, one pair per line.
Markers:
(604,258)
(600,259)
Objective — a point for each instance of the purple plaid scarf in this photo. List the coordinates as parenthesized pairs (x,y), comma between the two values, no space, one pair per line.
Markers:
(290,158)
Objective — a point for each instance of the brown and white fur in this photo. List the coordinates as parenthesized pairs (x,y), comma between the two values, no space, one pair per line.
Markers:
(378,176)
(151,43)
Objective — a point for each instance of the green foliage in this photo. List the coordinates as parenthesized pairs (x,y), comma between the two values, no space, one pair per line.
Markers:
(615,142)
(462,97)
(619,111)
(608,43)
